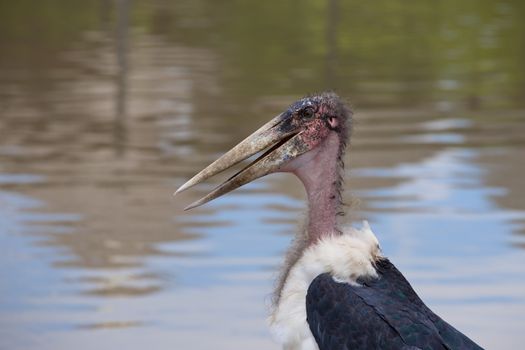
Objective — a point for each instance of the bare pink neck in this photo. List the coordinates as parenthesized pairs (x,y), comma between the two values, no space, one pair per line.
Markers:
(320,174)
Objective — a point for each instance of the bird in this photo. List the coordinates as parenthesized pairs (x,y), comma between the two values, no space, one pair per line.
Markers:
(337,290)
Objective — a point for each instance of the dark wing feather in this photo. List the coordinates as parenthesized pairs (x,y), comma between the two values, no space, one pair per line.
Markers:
(381,313)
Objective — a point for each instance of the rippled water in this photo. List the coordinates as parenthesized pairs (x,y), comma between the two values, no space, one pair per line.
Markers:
(107,107)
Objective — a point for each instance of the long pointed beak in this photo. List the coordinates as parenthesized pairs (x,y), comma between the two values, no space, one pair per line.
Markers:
(284,146)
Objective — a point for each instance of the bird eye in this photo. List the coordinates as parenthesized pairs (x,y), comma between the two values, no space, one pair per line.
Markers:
(308,113)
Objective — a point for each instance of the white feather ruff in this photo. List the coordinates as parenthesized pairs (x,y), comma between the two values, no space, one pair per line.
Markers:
(346,257)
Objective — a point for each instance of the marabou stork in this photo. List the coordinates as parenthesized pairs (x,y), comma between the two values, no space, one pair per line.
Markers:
(337,290)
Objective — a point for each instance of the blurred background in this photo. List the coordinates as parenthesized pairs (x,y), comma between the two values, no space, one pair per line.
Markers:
(106,107)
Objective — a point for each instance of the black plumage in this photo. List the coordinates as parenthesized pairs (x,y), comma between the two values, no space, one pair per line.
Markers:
(379,313)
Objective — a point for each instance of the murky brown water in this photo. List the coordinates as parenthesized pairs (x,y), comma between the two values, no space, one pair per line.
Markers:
(106,107)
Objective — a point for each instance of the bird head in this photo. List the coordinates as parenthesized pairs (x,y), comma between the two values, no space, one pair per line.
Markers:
(283,141)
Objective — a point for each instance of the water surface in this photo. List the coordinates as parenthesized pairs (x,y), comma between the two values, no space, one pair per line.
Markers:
(107,107)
